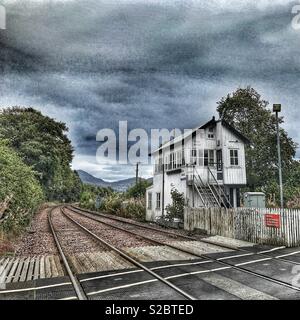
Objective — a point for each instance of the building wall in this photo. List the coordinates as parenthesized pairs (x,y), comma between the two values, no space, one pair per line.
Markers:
(233,175)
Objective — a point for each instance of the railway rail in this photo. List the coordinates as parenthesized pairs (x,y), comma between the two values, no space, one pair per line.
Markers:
(76,283)
(222,261)
(243,251)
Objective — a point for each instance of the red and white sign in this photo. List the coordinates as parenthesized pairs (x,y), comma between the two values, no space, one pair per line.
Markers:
(272,220)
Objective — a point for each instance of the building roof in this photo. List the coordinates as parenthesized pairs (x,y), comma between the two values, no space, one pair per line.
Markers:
(213,122)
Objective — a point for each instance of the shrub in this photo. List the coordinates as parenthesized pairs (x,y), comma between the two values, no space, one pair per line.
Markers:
(20,192)
(176,209)
(135,209)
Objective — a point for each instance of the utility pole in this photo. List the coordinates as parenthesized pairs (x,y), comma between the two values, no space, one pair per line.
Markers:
(137,173)
(277,109)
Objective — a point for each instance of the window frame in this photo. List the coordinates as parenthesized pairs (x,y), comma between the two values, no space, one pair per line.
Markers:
(158,201)
(234,157)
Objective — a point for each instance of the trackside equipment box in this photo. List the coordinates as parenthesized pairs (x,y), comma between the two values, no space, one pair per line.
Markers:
(254,200)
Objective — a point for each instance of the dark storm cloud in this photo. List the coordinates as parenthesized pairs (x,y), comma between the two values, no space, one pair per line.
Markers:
(154,63)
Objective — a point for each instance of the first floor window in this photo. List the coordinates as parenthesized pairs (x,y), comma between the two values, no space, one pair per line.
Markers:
(158,200)
(149,200)
(234,157)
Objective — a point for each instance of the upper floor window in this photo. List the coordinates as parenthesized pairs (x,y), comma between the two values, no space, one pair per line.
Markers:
(211,133)
(209,157)
(174,160)
(234,157)
(159,165)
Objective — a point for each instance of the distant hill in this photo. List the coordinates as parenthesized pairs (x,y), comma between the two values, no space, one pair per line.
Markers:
(121,185)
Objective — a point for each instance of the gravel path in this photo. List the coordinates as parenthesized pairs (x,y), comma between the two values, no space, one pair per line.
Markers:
(39,240)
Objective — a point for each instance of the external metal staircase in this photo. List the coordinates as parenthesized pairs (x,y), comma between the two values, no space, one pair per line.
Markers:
(212,194)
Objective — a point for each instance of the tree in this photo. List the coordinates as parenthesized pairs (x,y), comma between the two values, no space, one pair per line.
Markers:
(42,143)
(249,113)
(138,190)
(20,191)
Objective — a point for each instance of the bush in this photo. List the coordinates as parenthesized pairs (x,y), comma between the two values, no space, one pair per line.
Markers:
(176,209)
(89,194)
(20,192)
(135,209)
(114,204)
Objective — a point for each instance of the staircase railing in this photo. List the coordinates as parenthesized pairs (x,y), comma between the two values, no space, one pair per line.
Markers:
(201,185)
(220,190)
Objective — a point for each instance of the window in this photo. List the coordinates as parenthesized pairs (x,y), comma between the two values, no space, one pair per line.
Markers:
(209,157)
(201,157)
(158,200)
(149,200)
(194,156)
(234,158)
(159,165)
(211,133)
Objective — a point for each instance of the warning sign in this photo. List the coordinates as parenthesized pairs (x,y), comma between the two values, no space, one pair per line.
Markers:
(272,220)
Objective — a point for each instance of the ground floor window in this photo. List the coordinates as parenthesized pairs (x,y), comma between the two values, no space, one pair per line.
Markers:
(158,200)
(149,200)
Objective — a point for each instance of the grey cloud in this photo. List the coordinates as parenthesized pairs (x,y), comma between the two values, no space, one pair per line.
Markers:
(93,63)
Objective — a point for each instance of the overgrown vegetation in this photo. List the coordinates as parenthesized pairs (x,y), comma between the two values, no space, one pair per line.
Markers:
(42,144)
(35,162)
(20,191)
(249,113)
(130,204)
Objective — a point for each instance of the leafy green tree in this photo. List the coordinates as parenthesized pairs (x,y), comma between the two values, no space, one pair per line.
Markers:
(249,113)
(20,191)
(42,143)
(138,190)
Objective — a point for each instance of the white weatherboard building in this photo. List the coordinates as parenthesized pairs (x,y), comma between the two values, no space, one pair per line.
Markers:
(207,165)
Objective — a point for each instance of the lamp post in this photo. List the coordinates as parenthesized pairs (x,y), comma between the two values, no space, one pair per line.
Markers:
(277,109)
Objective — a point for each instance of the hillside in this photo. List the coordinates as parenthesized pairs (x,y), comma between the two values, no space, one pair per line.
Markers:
(121,185)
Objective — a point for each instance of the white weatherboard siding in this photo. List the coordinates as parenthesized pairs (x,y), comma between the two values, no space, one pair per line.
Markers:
(233,175)
(212,137)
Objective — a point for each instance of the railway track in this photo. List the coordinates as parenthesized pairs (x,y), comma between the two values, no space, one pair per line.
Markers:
(73,277)
(243,251)
(222,261)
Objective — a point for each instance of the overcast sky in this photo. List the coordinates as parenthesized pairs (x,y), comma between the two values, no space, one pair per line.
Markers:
(156,64)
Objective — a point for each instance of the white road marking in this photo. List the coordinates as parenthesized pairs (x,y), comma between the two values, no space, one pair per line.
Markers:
(36,288)
(121,287)
(250,262)
(287,255)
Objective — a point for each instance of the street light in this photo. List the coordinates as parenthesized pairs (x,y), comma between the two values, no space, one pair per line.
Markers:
(277,109)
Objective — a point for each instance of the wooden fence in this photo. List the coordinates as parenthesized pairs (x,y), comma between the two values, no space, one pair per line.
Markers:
(247,224)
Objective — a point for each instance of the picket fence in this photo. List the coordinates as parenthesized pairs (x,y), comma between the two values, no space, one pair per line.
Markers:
(249,224)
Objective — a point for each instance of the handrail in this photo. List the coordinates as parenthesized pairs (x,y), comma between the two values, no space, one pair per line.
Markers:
(203,185)
(205,202)
(220,189)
